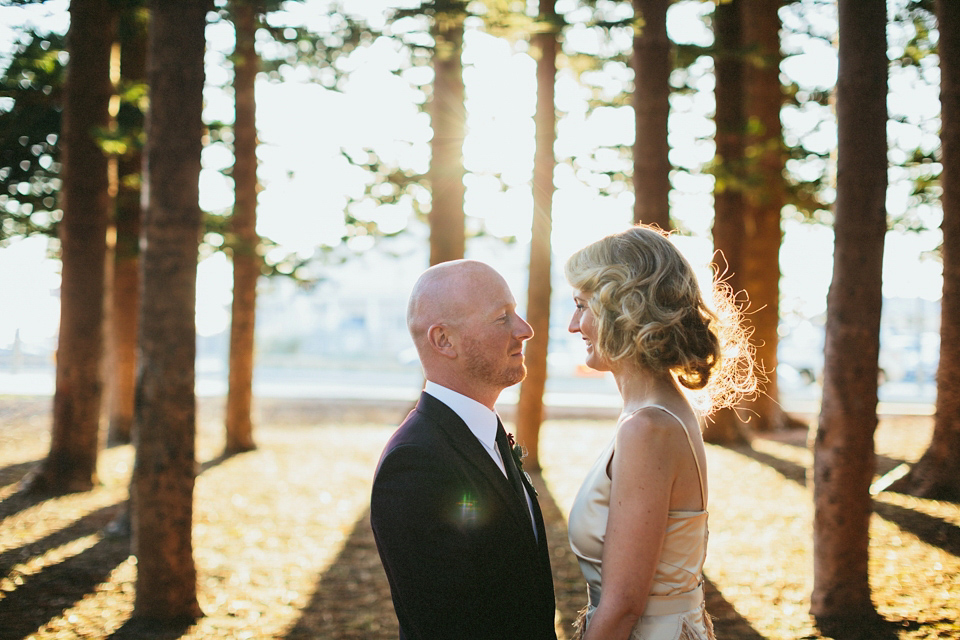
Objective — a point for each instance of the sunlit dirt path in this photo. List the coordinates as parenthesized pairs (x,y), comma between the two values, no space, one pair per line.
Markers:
(284,550)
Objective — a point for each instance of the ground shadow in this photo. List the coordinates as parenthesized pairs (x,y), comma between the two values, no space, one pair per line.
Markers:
(352,597)
(568,584)
(728,624)
(23,496)
(872,627)
(930,529)
(789,470)
(43,596)
(141,629)
(88,524)
(21,499)
(13,473)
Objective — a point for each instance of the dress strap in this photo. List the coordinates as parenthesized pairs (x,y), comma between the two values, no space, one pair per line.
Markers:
(703,493)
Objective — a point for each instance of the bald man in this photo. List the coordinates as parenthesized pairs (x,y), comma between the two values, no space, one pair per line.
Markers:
(458,527)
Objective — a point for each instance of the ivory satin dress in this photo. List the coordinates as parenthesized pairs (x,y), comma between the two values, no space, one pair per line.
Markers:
(675,608)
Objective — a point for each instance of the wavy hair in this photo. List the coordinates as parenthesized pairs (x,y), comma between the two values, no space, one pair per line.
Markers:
(650,311)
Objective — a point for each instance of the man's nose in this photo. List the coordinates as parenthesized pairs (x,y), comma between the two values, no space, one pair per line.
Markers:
(524,330)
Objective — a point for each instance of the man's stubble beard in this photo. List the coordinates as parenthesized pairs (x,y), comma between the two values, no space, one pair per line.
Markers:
(483,369)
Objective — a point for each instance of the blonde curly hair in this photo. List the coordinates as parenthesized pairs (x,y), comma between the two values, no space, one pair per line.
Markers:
(649,310)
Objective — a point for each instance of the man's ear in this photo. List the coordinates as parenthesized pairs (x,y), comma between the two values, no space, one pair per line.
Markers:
(439,337)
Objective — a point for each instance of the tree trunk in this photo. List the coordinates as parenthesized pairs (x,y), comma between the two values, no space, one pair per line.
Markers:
(843,449)
(71,464)
(764,199)
(651,104)
(530,404)
(937,474)
(448,120)
(125,294)
(728,223)
(246,260)
(165,466)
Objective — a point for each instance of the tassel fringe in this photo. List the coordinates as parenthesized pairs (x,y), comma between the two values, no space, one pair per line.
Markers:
(686,633)
(580,625)
(708,623)
(689,633)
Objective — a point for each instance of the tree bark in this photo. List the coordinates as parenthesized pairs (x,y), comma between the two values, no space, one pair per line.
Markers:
(71,464)
(165,424)
(937,474)
(651,104)
(530,403)
(448,120)
(125,294)
(843,449)
(729,229)
(245,241)
(764,200)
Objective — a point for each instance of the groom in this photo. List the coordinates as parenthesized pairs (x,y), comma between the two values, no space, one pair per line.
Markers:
(458,527)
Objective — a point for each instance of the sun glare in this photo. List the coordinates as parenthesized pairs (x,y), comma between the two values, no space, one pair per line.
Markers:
(309,134)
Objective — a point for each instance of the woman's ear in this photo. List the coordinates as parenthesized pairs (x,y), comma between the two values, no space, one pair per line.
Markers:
(439,337)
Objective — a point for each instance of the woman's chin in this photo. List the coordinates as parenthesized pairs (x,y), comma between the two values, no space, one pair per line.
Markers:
(595,363)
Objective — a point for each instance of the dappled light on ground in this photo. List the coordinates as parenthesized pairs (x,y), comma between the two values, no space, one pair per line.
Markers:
(284,550)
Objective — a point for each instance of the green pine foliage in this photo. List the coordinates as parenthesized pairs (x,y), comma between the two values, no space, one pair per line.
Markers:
(30,114)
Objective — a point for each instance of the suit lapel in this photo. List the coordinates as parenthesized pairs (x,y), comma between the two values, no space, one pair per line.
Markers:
(473,454)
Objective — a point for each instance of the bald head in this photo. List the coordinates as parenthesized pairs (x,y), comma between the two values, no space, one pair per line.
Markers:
(447,293)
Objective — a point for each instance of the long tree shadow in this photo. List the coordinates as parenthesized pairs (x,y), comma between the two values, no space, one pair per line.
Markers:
(930,529)
(789,470)
(727,621)
(568,584)
(13,473)
(88,524)
(47,594)
(352,597)
(42,596)
(21,498)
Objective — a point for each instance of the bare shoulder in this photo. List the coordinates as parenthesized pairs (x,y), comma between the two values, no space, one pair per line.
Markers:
(650,431)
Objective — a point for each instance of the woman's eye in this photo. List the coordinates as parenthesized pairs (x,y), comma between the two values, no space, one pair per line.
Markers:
(580,307)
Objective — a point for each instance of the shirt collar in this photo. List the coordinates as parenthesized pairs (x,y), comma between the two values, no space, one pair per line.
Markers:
(480,419)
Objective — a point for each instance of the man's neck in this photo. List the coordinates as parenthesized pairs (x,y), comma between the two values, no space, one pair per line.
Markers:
(486,397)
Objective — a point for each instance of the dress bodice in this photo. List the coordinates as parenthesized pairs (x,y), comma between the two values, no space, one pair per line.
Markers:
(679,568)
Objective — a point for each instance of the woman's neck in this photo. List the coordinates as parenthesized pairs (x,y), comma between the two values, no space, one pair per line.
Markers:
(641,387)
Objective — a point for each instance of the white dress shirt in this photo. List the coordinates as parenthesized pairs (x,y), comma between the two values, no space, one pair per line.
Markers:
(482,422)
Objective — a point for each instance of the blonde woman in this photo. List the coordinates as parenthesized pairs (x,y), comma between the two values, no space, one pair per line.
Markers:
(639,523)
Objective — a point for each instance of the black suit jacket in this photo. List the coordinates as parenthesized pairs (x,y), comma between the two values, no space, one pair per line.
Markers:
(455,538)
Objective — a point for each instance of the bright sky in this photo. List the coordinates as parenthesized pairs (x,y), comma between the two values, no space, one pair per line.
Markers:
(307,182)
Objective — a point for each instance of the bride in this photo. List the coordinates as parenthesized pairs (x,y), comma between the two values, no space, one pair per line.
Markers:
(638,525)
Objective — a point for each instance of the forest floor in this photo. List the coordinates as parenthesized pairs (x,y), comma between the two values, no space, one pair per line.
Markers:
(283,547)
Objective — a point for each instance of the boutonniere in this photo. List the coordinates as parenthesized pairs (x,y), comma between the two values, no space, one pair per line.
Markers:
(519,453)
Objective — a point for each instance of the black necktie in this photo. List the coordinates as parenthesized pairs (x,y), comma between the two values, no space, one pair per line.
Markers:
(509,464)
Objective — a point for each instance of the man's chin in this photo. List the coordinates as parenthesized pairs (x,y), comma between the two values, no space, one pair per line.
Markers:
(517,375)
